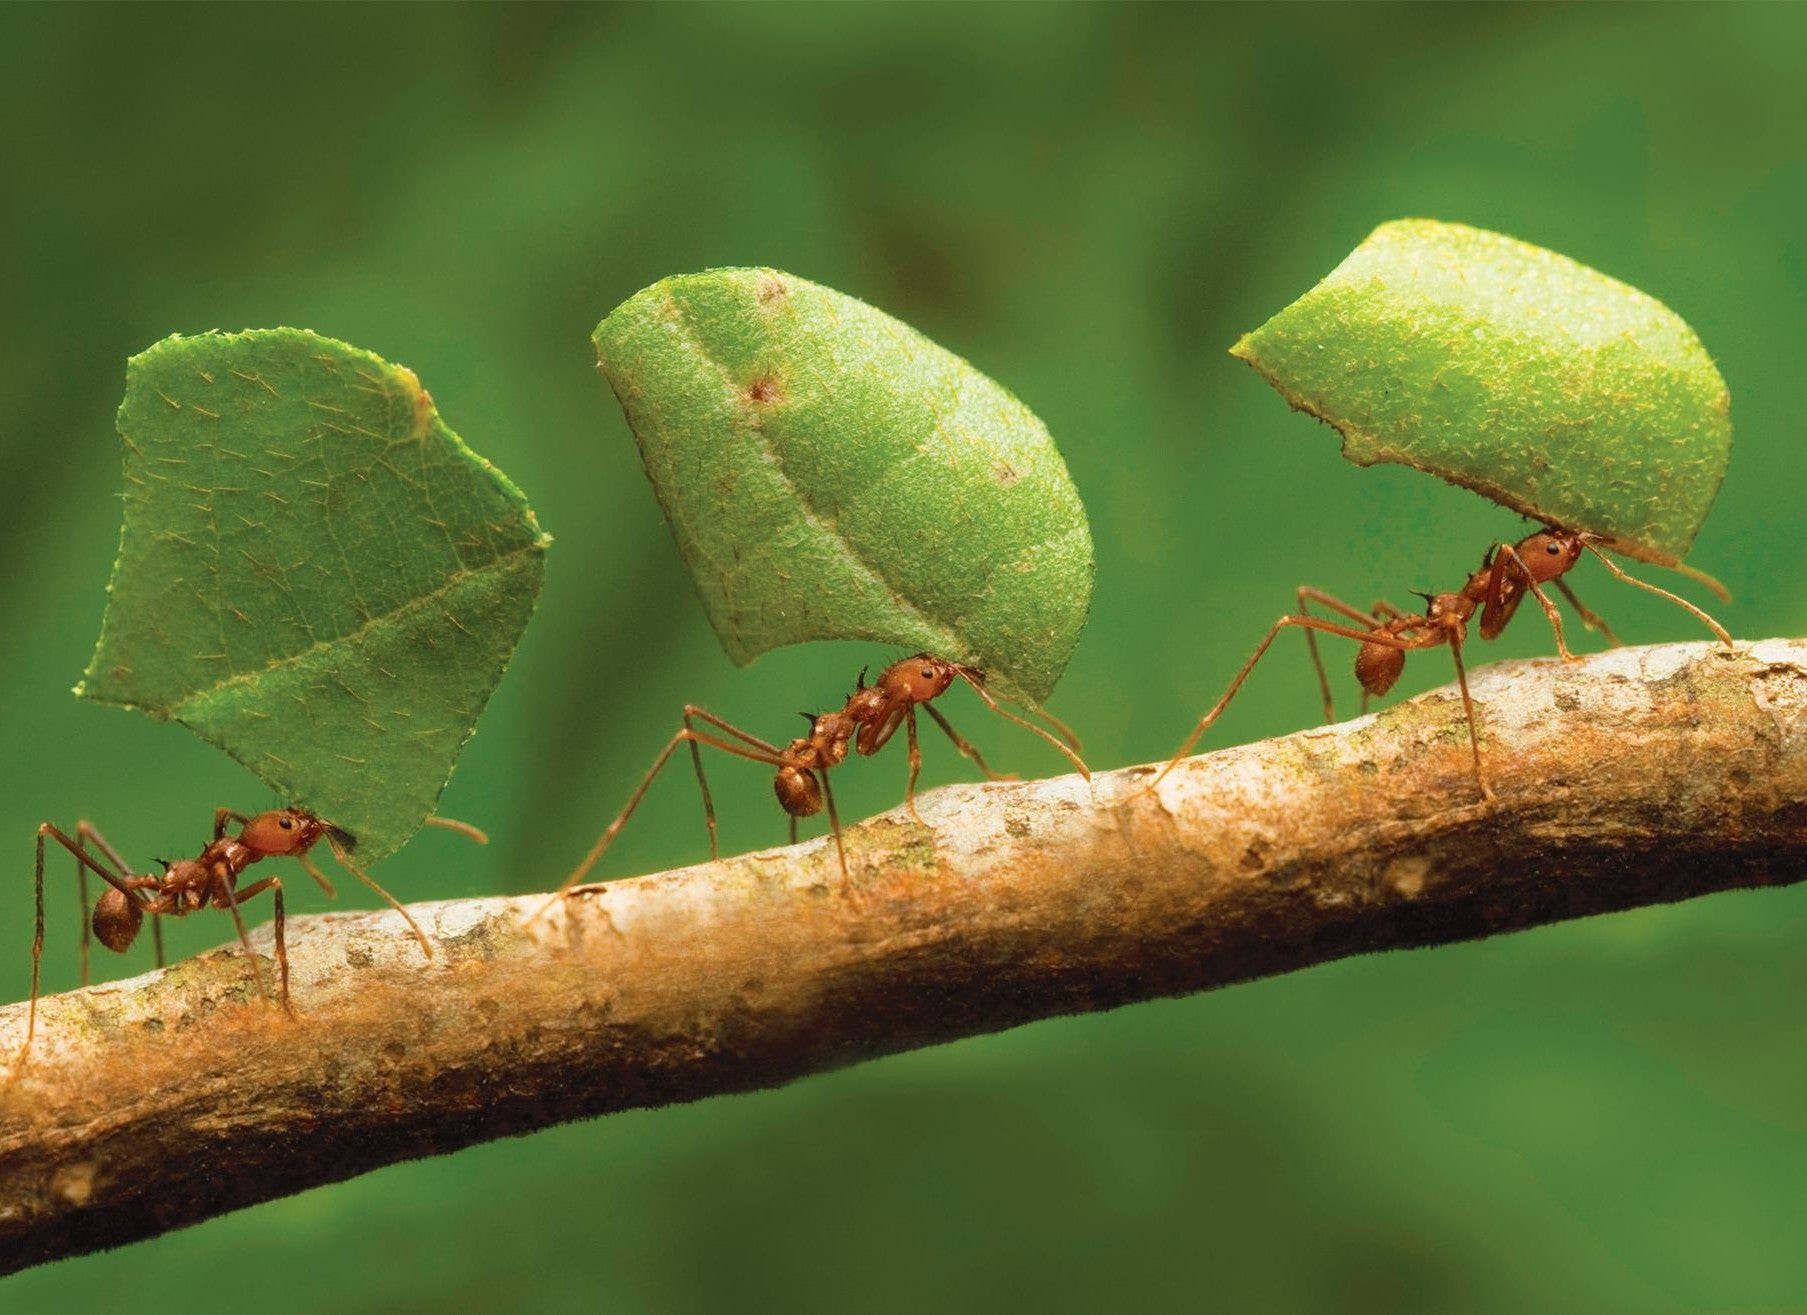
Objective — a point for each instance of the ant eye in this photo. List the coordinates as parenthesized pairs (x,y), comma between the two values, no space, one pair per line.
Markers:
(928,674)
(1553,549)
(286,823)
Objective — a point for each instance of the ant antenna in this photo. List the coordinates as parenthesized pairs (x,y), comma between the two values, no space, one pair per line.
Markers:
(1590,543)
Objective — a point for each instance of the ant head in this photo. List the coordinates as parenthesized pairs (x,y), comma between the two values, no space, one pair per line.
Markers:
(287,831)
(921,678)
(117,918)
(1550,552)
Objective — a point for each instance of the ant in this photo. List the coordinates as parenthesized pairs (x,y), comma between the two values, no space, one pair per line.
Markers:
(1386,634)
(865,725)
(195,883)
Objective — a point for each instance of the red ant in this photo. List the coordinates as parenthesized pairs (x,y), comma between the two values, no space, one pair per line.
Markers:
(196,883)
(1507,573)
(865,725)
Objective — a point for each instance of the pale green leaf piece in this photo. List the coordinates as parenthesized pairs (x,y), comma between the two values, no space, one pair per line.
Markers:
(830,473)
(1545,385)
(315,573)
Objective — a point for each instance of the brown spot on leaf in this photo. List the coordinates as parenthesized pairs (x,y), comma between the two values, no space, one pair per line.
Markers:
(1004,473)
(764,390)
(771,290)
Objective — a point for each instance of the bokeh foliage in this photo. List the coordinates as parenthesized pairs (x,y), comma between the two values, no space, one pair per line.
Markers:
(1093,203)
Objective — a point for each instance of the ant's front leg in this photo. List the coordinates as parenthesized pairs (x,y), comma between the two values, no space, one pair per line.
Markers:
(1510,554)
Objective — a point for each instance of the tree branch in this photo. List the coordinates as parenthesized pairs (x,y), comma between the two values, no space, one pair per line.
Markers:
(1632,777)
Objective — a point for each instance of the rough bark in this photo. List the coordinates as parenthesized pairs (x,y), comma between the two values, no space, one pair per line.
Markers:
(1633,777)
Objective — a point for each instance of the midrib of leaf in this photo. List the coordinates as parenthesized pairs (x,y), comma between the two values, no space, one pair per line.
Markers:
(352,637)
(947,641)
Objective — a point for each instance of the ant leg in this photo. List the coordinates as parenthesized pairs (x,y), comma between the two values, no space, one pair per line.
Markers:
(834,821)
(1307,622)
(224,895)
(37,956)
(1307,595)
(915,762)
(1509,553)
(1679,601)
(985,697)
(221,816)
(1468,707)
(1589,618)
(274,886)
(476,835)
(966,749)
(81,892)
(793,818)
(86,834)
(758,755)
(84,861)
(157,939)
(696,760)
(342,856)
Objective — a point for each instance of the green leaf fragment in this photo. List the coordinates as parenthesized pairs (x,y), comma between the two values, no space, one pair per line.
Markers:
(1545,385)
(315,573)
(830,473)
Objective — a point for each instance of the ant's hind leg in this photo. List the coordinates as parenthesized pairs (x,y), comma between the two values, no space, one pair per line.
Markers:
(749,746)
(1306,596)
(1305,621)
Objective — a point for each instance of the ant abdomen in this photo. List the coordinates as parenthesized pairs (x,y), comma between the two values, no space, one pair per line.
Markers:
(1377,667)
(799,794)
(117,920)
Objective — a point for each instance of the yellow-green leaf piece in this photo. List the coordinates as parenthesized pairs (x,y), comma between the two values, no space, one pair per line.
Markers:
(830,473)
(1517,372)
(315,573)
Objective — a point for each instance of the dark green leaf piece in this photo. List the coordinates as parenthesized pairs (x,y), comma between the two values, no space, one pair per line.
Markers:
(1536,381)
(830,473)
(315,574)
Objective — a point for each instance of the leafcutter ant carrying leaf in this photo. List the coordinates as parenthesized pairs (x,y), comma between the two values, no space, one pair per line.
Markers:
(207,881)
(1386,633)
(1554,390)
(865,724)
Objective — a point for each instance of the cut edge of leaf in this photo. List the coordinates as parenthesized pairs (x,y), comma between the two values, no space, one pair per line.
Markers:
(1383,452)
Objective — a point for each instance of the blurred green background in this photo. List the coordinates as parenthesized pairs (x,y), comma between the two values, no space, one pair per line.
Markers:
(1091,204)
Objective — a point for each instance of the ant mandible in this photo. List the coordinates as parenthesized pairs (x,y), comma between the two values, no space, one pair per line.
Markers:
(865,725)
(190,884)
(1507,573)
